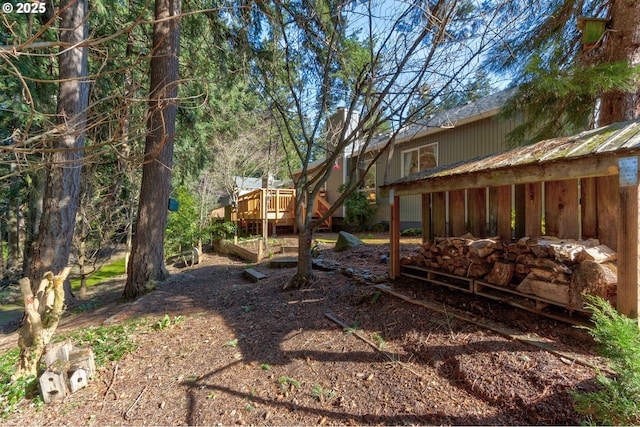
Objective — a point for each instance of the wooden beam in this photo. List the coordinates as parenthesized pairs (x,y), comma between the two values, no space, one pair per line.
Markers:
(503,212)
(561,208)
(456,213)
(394,250)
(608,207)
(628,248)
(590,166)
(477,211)
(520,210)
(492,220)
(438,215)
(426,218)
(588,208)
(533,209)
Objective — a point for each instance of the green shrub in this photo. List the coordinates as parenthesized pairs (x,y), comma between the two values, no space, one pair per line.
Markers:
(617,402)
(411,232)
(380,227)
(221,230)
(359,212)
(183,228)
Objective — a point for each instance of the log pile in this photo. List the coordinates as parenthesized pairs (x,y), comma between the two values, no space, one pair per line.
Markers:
(558,270)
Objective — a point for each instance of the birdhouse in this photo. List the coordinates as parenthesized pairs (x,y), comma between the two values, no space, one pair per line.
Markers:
(174,205)
(592,29)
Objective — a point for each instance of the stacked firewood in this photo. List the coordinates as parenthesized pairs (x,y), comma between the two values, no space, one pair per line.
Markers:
(463,256)
(559,270)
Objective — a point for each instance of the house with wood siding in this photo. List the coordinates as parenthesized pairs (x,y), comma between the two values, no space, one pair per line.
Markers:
(467,131)
(471,130)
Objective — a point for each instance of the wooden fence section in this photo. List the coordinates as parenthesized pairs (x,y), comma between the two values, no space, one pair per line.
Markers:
(569,209)
(276,206)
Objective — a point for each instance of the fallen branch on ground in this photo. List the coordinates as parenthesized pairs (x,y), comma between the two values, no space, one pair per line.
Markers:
(371,343)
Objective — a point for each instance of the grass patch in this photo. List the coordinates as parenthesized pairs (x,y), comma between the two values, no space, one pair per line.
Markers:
(11,394)
(109,343)
(323,394)
(107,271)
(288,383)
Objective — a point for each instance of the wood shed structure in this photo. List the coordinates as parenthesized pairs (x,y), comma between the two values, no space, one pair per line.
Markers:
(578,187)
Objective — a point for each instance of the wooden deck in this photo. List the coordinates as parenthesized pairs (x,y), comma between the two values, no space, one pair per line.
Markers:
(277,207)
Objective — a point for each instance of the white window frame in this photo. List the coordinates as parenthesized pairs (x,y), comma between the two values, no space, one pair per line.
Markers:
(402,153)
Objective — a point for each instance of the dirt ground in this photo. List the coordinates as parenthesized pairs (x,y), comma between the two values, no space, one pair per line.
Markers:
(250,354)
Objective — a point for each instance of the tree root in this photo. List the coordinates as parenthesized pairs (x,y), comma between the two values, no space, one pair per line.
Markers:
(299,281)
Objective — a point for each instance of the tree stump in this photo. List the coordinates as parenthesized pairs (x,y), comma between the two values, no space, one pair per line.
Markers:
(43,311)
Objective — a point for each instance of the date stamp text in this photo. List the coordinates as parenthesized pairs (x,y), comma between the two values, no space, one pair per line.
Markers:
(24,8)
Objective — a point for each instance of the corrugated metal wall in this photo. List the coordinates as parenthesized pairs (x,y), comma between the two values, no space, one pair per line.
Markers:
(464,142)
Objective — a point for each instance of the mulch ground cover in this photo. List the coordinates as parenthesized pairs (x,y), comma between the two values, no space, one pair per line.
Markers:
(251,354)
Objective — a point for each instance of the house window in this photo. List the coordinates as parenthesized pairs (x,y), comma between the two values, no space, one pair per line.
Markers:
(420,158)
(369,184)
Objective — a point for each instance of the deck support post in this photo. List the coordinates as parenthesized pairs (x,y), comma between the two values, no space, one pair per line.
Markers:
(394,242)
(628,245)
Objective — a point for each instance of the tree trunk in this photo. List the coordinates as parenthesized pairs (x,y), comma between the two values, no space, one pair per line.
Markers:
(146,263)
(82,260)
(2,275)
(304,274)
(623,44)
(62,191)
(13,223)
(33,217)
(44,305)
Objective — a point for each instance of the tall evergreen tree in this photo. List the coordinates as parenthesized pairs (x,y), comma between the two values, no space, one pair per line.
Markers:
(62,182)
(622,44)
(559,78)
(147,257)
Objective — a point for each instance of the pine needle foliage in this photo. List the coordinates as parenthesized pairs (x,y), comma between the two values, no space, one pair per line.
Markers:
(572,91)
(617,402)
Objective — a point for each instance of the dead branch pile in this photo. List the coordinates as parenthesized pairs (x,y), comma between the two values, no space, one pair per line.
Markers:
(559,270)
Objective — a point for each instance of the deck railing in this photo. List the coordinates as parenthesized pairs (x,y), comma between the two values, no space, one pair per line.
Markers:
(275,205)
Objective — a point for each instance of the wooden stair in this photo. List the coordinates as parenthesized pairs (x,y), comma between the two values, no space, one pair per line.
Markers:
(322,207)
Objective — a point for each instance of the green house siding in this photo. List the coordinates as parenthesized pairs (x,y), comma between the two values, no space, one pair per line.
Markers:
(485,136)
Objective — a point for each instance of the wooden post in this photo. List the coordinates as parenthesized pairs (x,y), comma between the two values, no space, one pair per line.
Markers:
(277,204)
(628,250)
(608,207)
(561,208)
(503,212)
(477,211)
(588,208)
(394,254)
(519,199)
(438,214)
(533,209)
(456,213)
(426,217)
(265,214)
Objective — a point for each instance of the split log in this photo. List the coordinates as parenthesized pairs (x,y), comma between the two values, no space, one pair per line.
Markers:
(551,276)
(478,271)
(501,273)
(550,291)
(484,247)
(551,265)
(542,248)
(600,254)
(593,278)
